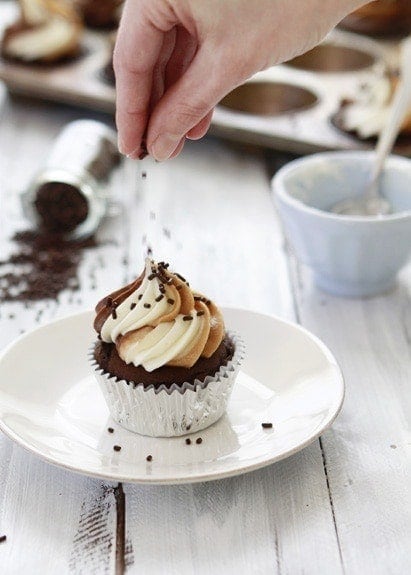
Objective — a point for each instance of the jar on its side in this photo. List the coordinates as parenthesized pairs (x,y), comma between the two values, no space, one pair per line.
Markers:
(69,195)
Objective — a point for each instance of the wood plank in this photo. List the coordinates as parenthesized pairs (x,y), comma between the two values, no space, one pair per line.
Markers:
(212,218)
(276,520)
(367,450)
(54,520)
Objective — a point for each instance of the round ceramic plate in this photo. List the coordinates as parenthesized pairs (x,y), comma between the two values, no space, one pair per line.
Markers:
(51,404)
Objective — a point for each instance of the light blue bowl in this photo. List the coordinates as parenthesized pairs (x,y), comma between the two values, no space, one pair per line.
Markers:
(351,256)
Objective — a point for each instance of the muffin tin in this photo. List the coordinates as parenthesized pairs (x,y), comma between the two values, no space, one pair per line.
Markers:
(289,107)
(295,107)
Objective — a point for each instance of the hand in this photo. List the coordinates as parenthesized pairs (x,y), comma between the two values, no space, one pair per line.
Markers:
(175,59)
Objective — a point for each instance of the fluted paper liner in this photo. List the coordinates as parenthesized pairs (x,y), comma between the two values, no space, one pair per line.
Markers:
(170,411)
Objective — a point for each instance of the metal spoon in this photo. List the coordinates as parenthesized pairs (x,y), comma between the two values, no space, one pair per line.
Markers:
(371,202)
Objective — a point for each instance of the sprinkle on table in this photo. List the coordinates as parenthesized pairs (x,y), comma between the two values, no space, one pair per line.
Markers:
(149,458)
(117,448)
(267,425)
(110,430)
(199,440)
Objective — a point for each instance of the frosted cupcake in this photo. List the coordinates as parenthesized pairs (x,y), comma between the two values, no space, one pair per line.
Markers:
(44,32)
(165,363)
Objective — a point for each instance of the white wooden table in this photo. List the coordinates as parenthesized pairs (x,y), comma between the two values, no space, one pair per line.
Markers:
(342,505)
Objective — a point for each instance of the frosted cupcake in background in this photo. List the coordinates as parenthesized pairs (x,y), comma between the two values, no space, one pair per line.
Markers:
(46,31)
(165,363)
(368,113)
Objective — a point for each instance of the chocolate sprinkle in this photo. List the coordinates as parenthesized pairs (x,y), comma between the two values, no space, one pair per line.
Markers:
(110,430)
(188,441)
(199,440)
(181,277)
(267,425)
(114,314)
(149,458)
(140,296)
(42,266)
(61,207)
(187,317)
(152,276)
(147,305)
(133,305)
(3,538)
(200,313)
(117,448)
(144,175)
(170,301)
(159,297)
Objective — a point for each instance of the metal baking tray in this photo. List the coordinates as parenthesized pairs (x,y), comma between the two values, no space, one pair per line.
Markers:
(290,107)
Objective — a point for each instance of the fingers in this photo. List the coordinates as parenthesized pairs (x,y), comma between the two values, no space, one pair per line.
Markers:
(201,128)
(159,74)
(178,149)
(185,104)
(184,51)
(136,53)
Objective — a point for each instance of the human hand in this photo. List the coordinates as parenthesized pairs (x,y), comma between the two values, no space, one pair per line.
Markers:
(174,60)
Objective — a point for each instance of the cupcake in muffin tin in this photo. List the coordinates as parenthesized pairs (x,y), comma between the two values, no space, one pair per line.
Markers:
(164,360)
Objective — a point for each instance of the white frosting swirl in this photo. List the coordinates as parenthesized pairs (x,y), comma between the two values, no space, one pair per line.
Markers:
(150,329)
(368,114)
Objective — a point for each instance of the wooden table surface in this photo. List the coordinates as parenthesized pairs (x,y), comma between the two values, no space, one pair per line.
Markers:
(342,505)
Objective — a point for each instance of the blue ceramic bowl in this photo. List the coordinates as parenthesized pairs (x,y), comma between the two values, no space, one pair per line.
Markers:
(353,256)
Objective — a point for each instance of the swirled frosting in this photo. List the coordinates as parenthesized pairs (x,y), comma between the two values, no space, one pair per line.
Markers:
(158,320)
(368,114)
(47,30)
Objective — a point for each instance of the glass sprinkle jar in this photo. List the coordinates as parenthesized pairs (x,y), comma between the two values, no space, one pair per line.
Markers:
(69,195)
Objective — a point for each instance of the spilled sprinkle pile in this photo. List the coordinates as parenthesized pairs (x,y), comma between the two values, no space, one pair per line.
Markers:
(42,266)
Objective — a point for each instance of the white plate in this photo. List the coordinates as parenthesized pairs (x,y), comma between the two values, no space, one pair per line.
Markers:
(51,405)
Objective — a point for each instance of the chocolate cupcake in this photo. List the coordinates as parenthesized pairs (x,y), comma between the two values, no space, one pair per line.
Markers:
(45,32)
(164,360)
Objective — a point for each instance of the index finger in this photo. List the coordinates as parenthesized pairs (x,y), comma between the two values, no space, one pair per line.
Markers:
(136,52)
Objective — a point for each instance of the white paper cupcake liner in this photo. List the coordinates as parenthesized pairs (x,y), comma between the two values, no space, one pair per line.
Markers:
(170,411)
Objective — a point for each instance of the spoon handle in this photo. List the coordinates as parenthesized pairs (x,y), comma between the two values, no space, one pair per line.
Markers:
(399,107)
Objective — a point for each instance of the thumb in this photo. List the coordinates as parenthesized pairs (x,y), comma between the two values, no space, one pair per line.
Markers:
(185,103)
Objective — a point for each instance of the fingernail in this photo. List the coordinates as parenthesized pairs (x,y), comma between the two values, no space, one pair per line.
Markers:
(164,145)
(121,147)
(139,153)
(134,154)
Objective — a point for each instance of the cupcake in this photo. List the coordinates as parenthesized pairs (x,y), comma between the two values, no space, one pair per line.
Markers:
(163,359)
(367,115)
(46,31)
(99,13)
